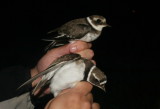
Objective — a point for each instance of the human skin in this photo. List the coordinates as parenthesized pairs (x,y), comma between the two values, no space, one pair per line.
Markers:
(79,97)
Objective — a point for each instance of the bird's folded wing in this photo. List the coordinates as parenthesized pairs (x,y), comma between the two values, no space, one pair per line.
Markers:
(57,64)
(54,68)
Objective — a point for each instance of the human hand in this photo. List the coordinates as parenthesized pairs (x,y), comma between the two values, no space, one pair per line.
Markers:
(78,97)
(79,47)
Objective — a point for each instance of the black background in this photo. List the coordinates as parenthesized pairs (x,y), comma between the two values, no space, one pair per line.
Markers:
(127,52)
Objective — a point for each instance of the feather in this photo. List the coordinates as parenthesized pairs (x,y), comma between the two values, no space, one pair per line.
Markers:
(56,65)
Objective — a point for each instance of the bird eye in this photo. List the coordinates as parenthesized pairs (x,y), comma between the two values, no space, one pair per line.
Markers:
(98,21)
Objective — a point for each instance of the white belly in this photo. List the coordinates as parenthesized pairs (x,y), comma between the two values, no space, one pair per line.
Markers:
(67,77)
(90,37)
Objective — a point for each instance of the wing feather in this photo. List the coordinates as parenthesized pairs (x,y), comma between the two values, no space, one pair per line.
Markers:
(49,73)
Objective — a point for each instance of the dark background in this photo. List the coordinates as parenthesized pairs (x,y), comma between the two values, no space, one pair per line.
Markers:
(127,52)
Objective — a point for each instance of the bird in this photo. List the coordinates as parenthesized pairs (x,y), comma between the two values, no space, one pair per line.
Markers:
(66,71)
(85,29)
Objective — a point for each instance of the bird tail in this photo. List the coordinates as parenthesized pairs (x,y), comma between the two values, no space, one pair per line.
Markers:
(50,45)
(54,43)
(55,39)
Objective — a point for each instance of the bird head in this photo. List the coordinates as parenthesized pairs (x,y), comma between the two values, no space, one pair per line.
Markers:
(97,78)
(97,22)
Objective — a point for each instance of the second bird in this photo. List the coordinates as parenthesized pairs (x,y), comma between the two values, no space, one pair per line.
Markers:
(86,29)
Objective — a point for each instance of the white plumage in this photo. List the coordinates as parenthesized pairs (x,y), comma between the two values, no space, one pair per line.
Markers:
(67,76)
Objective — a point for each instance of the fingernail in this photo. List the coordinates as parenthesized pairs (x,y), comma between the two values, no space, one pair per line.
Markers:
(73,49)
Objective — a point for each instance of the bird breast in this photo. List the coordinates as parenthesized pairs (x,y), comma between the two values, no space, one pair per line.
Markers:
(67,76)
(90,37)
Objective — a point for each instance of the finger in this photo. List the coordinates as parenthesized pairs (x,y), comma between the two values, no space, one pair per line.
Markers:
(55,53)
(59,51)
(88,53)
(90,97)
(46,91)
(83,87)
(48,104)
(77,46)
(95,106)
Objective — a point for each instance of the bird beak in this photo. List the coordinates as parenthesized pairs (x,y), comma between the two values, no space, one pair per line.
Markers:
(109,26)
(106,25)
(103,88)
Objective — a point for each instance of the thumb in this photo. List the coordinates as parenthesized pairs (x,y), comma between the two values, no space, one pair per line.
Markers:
(83,87)
(73,47)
